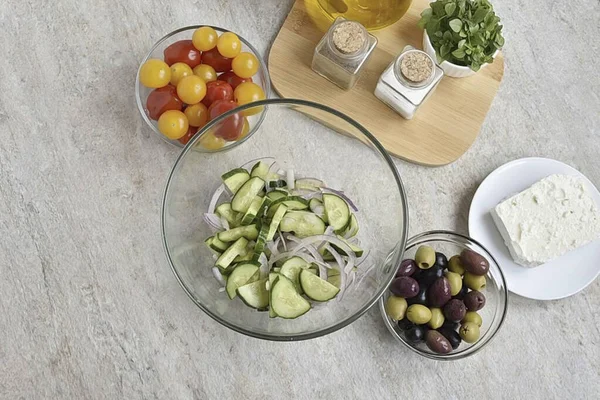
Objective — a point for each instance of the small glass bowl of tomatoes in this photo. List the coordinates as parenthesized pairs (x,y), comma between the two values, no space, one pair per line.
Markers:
(196,73)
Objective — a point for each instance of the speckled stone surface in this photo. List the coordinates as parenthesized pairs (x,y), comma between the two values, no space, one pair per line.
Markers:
(88,305)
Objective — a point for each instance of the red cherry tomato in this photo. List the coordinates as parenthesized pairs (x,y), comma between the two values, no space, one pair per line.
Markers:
(216,60)
(217,90)
(161,100)
(182,51)
(231,127)
(231,78)
(192,130)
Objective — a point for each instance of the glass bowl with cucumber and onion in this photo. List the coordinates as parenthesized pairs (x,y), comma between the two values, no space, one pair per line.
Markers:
(291,233)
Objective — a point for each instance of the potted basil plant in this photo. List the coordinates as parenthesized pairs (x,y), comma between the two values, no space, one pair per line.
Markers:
(462,35)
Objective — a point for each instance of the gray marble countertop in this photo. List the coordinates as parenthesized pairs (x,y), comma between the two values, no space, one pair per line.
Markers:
(88,305)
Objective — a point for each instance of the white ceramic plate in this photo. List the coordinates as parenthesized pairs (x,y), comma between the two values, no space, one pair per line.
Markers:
(557,279)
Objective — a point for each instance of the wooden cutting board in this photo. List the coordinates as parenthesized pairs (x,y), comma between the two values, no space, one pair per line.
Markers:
(443,128)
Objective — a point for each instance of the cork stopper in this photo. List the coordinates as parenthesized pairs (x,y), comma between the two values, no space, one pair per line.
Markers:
(416,66)
(349,37)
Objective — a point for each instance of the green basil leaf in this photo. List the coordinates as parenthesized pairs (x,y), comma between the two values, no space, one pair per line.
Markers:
(479,15)
(427,13)
(456,25)
(447,36)
(458,53)
(461,43)
(450,8)
(444,50)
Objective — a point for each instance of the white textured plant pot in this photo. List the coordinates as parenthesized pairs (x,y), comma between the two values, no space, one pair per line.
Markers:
(453,70)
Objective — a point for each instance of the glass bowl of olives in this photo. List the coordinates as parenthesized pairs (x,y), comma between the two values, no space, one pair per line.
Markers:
(448,299)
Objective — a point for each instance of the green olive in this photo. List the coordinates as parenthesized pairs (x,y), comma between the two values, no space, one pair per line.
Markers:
(475,282)
(454,265)
(469,332)
(437,318)
(455,282)
(395,307)
(418,314)
(472,316)
(425,257)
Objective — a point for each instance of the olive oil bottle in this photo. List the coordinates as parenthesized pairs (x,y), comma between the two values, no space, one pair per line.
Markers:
(373,14)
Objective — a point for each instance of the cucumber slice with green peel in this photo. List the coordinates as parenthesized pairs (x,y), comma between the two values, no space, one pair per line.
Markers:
(209,241)
(309,183)
(253,210)
(261,240)
(291,269)
(249,256)
(292,203)
(275,221)
(218,245)
(316,206)
(240,276)
(284,299)
(277,194)
(358,252)
(337,211)
(279,183)
(232,252)
(316,288)
(272,277)
(224,210)
(245,195)
(235,178)
(249,232)
(352,227)
(264,207)
(255,294)
(302,223)
(260,169)
(335,280)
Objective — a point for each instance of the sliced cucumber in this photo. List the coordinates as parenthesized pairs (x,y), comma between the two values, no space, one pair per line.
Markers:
(352,228)
(285,301)
(250,232)
(317,207)
(260,169)
(255,294)
(316,288)
(240,276)
(277,194)
(272,277)
(309,183)
(302,223)
(218,245)
(337,211)
(245,194)
(357,250)
(291,269)
(209,241)
(276,220)
(335,280)
(279,183)
(261,240)
(235,178)
(224,210)
(232,252)
(247,256)
(252,212)
(264,207)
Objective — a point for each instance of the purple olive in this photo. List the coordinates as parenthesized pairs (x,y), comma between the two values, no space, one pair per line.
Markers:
(407,268)
(405,286)
(455,310)
(438,293)
(437,342)
(474,300)
(452,336)
(474,262)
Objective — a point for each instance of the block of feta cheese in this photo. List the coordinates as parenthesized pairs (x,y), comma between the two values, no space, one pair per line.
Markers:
(552,217)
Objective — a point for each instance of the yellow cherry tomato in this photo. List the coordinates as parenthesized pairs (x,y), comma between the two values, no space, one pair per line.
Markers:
(245,65)
(173,124)
(229,45)
(205,72)
(211,142)
(197,114)
(245,129)
(248,92)
(178,71)
(155,73)
(191,89)
(205,38)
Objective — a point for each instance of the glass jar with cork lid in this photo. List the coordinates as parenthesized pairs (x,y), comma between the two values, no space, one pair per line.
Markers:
(342,52)
(408,81)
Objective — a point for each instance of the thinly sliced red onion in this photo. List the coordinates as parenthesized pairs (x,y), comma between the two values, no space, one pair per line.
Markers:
(282,240)
(218,276)
(215,199)
(306,193)
(323,238)
(264,266)
(349,265)
(213,221)
(290,179)
(340,262)
(362,259)
(252,162)
(224,223)
(340,194)
(221,289)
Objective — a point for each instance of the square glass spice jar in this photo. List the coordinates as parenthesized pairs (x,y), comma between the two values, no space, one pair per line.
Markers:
(342,53)
(408,81)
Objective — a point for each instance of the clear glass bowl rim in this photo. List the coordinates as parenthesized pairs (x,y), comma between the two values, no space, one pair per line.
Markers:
(455,239)
(400,246)
(138,99)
